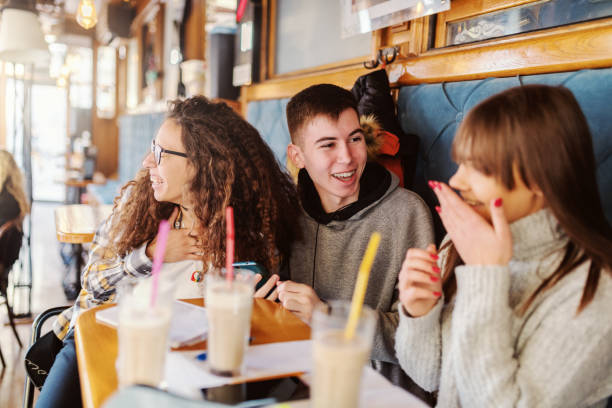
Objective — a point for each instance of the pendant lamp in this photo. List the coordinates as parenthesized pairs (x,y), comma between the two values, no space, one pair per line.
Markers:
(86,14)
(21,37)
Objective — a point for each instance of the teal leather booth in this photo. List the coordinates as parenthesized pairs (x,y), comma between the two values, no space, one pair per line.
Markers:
(434,111)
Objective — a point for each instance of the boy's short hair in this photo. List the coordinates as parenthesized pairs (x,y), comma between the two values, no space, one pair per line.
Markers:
(322,99)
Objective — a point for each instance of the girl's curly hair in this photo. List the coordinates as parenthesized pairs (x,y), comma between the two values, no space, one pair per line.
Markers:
(233,166)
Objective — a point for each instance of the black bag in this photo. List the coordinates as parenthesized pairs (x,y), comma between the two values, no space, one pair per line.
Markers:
(40,357)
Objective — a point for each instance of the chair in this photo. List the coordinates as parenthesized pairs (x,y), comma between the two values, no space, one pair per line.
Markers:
(11,236)
(37,325)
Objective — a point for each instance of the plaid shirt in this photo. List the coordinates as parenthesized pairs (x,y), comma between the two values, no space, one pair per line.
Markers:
(99,278)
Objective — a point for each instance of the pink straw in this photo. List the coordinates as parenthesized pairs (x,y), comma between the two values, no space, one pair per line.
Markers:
(229,243)
(158,256)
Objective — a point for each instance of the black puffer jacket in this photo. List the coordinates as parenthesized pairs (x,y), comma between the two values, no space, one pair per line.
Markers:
(373,96)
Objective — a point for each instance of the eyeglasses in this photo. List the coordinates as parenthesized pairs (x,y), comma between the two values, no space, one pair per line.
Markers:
(157,151)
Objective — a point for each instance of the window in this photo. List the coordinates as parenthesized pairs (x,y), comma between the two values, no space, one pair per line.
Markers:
(307,35)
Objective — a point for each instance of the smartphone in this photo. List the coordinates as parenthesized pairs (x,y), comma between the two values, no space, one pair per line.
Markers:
(256,268)
(258,393)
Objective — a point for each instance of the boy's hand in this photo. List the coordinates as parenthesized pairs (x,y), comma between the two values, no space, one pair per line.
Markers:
(298,298)
(420,284)
(267,287)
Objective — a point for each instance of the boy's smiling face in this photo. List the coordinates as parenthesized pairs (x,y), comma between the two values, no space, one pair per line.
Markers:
(334,154)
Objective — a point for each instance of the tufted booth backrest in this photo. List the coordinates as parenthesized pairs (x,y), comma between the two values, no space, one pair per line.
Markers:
(269,118)
(434,111)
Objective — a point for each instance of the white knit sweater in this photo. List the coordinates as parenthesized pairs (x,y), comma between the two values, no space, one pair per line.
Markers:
(477,351)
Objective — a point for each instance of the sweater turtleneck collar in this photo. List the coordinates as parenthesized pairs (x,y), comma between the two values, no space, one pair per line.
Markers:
(536,235)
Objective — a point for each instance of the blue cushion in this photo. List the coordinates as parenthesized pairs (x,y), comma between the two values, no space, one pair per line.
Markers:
(433,112)
(268,117)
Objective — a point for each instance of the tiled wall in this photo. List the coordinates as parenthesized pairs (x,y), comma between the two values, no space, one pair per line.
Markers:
(135,135)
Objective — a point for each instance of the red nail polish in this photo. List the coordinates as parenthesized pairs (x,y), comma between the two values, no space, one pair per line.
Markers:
(438,209)
(438,186)
(434,256)
(434,279)
(435,269)
(432,184)
(437,294)
(498,202)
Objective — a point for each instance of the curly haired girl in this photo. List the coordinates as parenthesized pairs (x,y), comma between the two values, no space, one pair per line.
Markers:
(203,158)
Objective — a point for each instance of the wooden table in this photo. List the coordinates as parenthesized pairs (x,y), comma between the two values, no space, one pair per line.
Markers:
(96,345)
(76,224)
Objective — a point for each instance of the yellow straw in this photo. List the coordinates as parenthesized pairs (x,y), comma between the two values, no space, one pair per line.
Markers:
(361,286)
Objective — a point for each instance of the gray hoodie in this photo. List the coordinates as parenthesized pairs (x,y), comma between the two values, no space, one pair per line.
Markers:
(328,255)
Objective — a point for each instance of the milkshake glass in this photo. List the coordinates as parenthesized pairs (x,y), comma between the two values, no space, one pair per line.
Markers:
(143,334)
(229,307)
(338,362)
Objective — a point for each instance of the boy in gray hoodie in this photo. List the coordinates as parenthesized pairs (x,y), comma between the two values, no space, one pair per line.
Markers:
(345,199)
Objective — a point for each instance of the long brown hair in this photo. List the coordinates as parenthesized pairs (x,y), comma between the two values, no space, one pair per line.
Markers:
(233,166)
(542,131)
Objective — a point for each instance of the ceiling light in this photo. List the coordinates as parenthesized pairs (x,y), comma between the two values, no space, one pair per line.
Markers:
(86,14)
(21,38)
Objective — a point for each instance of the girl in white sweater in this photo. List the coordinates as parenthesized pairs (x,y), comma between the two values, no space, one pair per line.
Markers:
(515,309)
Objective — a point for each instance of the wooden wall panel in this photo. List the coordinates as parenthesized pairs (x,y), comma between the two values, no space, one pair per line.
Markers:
(195,36)
(461,9)
(158,50)
(585,45)
(285,88)
(104,132)
(150,12)
(582,45)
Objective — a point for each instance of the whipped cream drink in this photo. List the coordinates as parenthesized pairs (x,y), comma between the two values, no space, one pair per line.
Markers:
(338,364)
(229,308)
(337,361)
(143,336)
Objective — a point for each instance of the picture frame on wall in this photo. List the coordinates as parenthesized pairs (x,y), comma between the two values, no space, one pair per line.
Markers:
(362,16)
